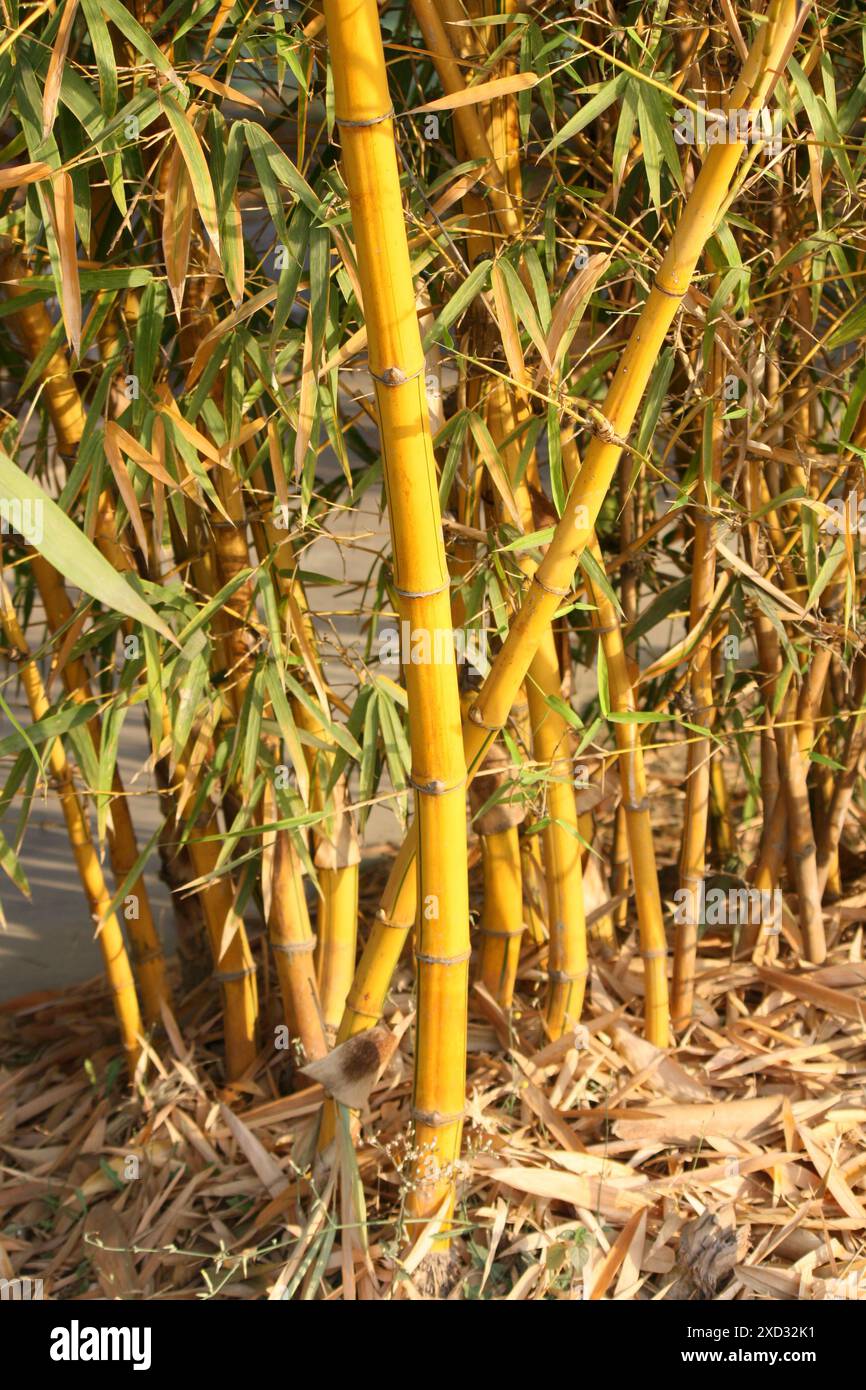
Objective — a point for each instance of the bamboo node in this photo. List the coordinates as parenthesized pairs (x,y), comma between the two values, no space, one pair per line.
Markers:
(565,977)
(550,588)
(436,788)
(442,960)
(434,1119)
(395,376)
(475,715)
(671,294)
(293,948)
(359,125)
(229,977)
(386,922)
(599,425)
(422,593)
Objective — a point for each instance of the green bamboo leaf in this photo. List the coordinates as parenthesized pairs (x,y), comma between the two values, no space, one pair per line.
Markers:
(652,150)
(675,596)
(57,537)
(141,41)
(273,166)
(103,52)
(662,127)
(588,113)
(459,302)
(50,727)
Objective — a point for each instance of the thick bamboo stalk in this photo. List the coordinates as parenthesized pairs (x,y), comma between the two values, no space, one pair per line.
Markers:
(117,968)
(364,117)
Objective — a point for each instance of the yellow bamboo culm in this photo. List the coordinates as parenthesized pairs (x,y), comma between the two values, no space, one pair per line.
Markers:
(501,926)
(364,119)
(117,968)
(552,581)
(293,944)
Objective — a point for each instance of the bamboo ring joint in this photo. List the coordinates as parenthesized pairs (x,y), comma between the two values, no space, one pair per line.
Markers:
(671,294)
(422,593)
(395,376)
(476,718)
(293,948)
(442,960)
(549,588)
(229,977)
(359,125)
(434,1119)
(436,788)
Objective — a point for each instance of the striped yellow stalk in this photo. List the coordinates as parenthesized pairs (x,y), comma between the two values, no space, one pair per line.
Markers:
(364,117)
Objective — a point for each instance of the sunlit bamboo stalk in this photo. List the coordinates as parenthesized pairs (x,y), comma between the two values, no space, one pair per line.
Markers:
(364,117)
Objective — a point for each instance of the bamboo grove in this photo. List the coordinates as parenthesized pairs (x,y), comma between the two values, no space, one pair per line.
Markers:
(570,297)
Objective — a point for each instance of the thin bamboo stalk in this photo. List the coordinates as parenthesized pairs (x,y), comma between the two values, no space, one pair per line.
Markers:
(293,944)
(700,751)
(117,968)
(466,117)
(553,751)
(33,326)
(145,943)
(635,800)
(234,967)
(830,832)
